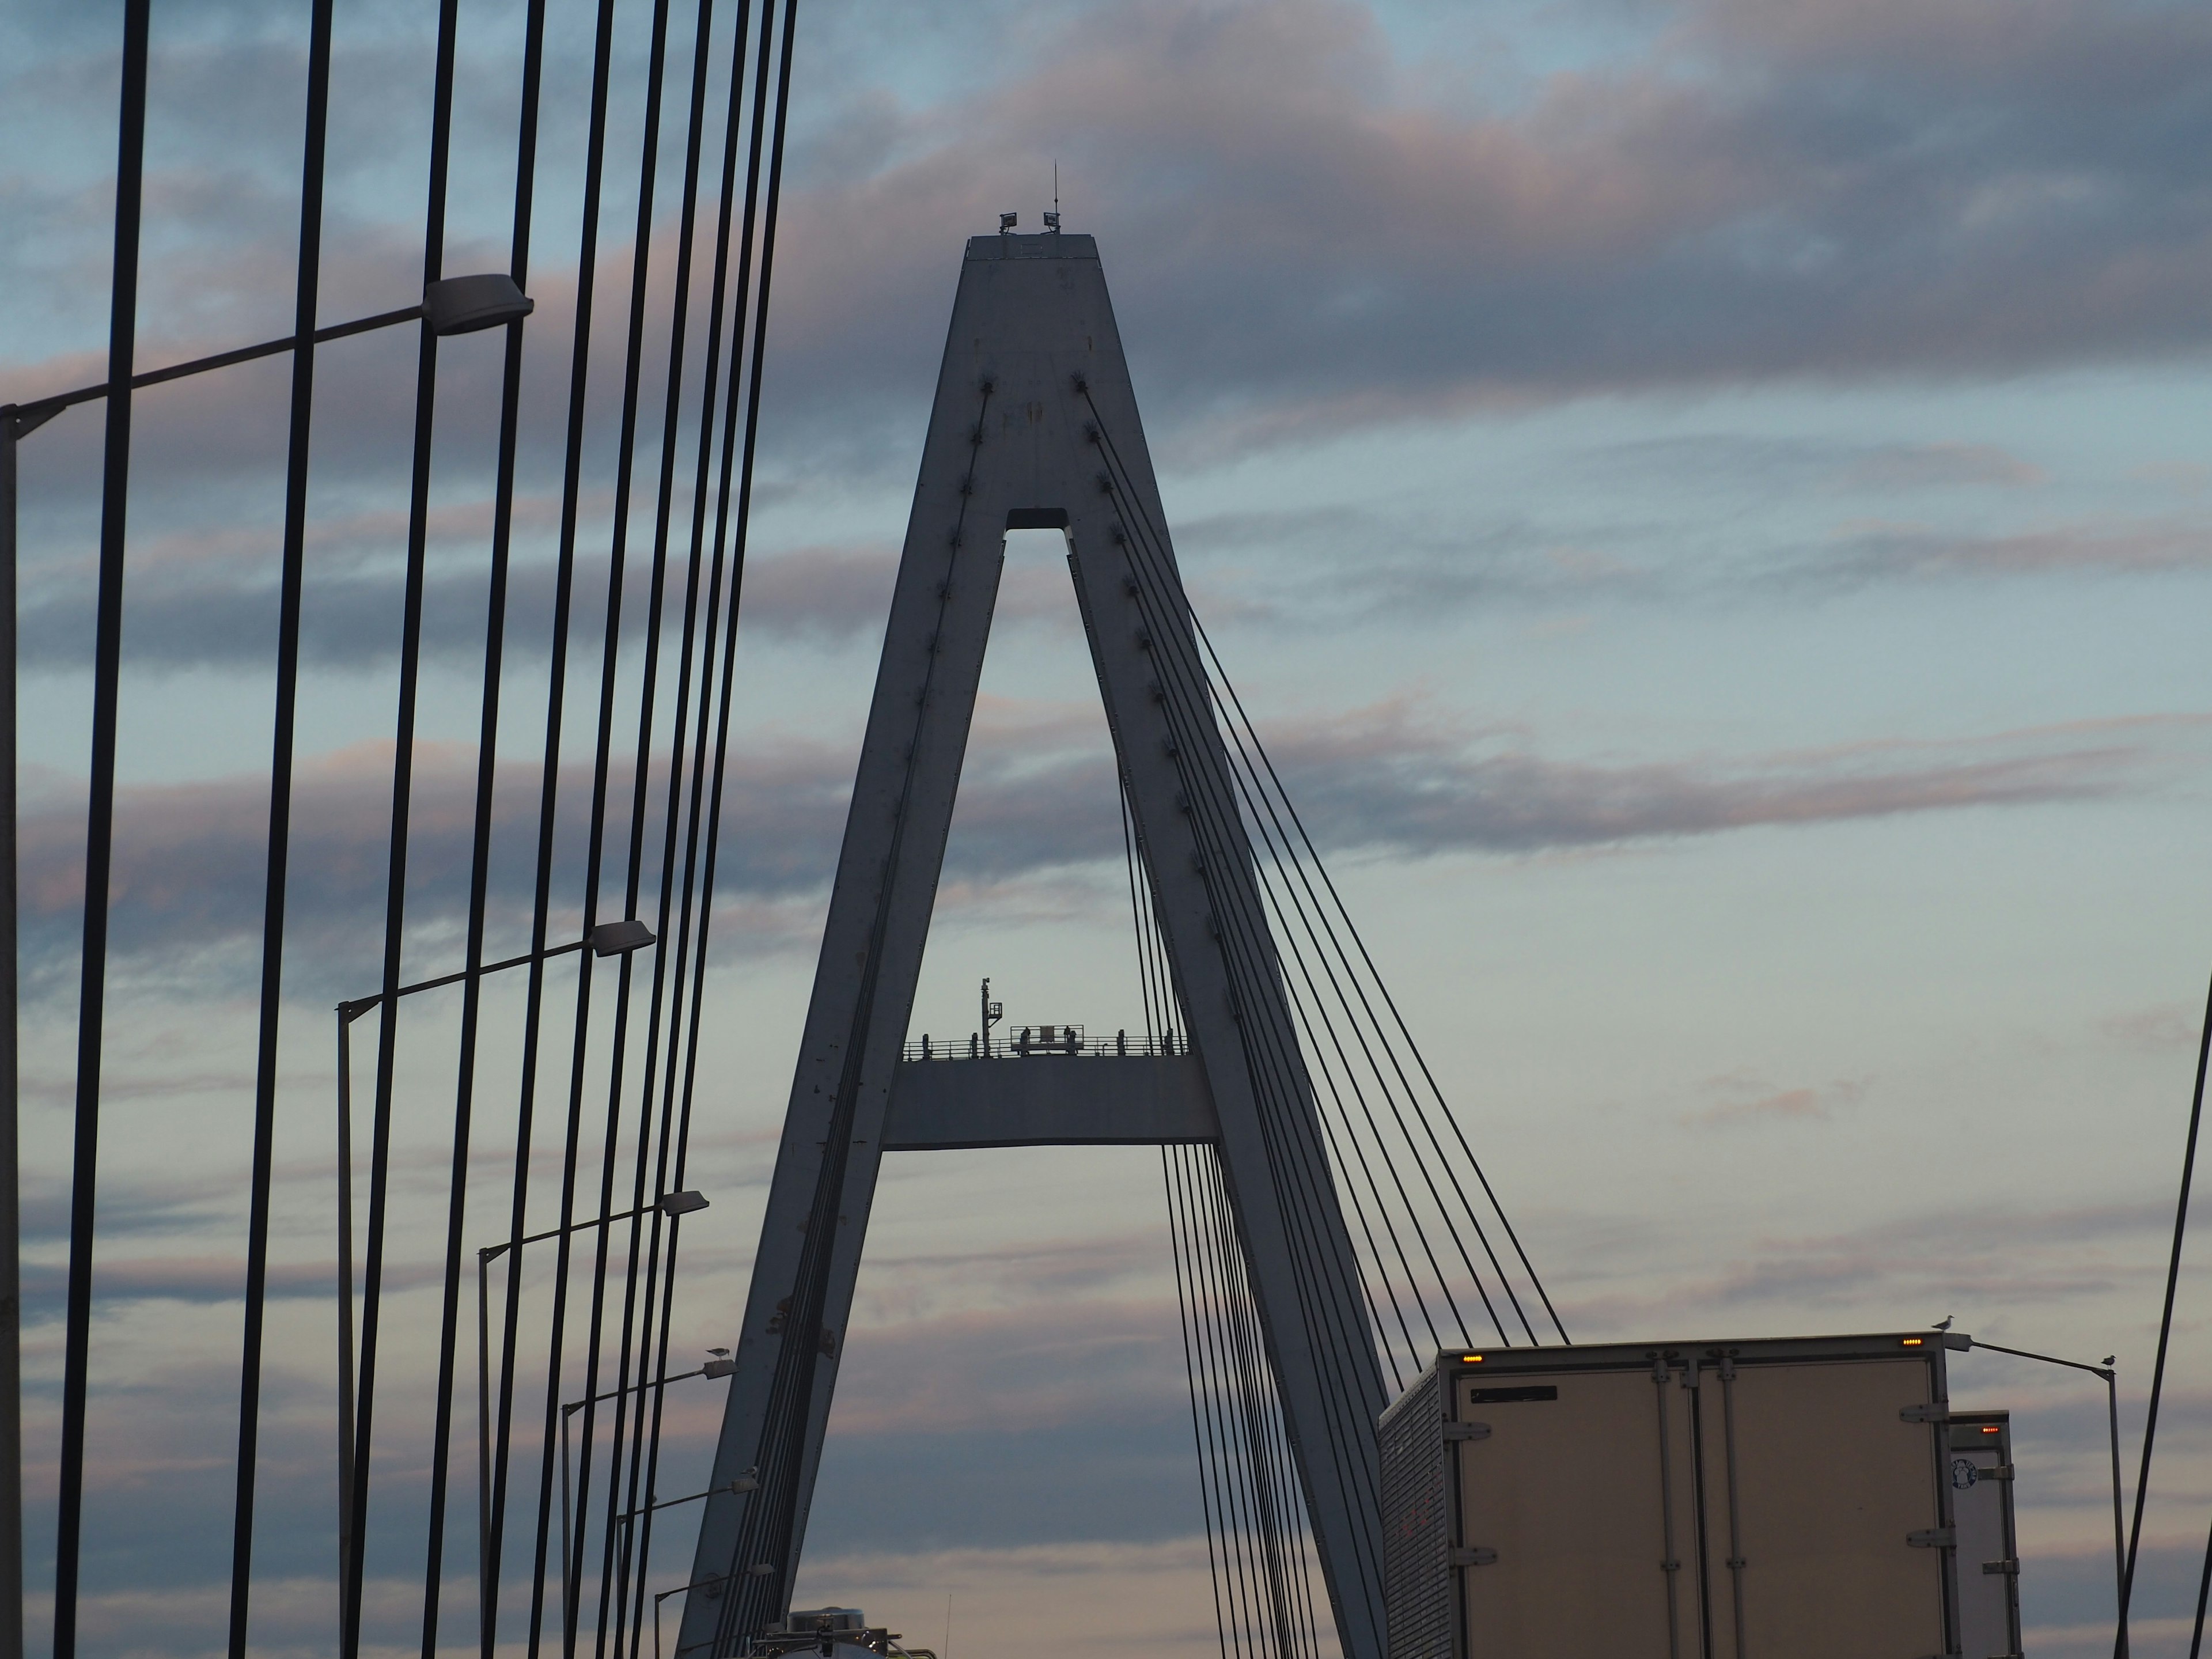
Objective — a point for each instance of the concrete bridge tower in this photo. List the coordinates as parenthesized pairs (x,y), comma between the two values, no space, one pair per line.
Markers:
(1035,426)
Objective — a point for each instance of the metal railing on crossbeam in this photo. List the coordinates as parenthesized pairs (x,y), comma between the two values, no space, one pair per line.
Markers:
(1043,1042)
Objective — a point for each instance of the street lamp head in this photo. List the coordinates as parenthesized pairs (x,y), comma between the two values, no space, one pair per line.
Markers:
(682,1203)
(617,938)
(714,1368)
(461,304)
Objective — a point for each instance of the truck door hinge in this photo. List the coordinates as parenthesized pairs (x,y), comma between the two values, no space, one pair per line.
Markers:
(1477,1555)
(2008,1568)
(1466,1430)
(1925,1414)
(1934,1538)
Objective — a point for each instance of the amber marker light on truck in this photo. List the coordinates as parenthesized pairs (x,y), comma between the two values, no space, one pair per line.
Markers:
(1470,1359)
(1914,1341)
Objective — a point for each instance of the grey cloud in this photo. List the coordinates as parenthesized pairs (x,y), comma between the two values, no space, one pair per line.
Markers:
(1792,465)
(1991,1258)
(197,599)
(1746,1099)
(188,860)
(1915,553)
(179,1277)
(1751,199)
(1931,466)
(1381,779)
(1305,233)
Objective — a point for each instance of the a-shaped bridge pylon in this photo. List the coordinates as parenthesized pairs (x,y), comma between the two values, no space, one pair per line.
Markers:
(1035,426)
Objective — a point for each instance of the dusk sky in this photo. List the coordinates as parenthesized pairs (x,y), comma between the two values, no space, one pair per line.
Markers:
(1706,501)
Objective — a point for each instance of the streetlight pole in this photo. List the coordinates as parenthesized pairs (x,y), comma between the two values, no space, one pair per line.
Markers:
(608,938)
(671,1205)
(13,425)
(719,1366)
(455,306)
(2112,1418)
(696,1583)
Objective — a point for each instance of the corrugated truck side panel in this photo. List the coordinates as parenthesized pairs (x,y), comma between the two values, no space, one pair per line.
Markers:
(1417,1525)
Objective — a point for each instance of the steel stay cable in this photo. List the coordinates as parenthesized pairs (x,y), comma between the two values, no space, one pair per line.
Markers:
(737,569)
(1183,1317)
(1244,1363)
(425,390)
(1390,1291)
(1120,796)
(765,1528)
(1232,1452)
(1382,986)
(1281,1468)
(1170,1014)
(1347,1420)
(2164,1326)
(1279,856)
(292,558)
(1270,1450)
(1341,1390)
(767,1516)
(1142,516)
(738,530)
(1233,1381)
(1217,1474)
(621,1020)
(1273,1451)
(100,817)
(1239,1318)
(1147,988)
(1227,829)
(681,703)
(1240,1469)
(1300,1234)
(1305,1014)
(481,836)
(595,849)
(1136,914)
(768,222)
(549,800)
(643,1452)
(1288,905)
(1359,1210)
(1209,819)
(1258,795)
(1216,1466)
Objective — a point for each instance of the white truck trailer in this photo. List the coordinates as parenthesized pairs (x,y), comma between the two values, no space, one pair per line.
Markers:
(1765,1499)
